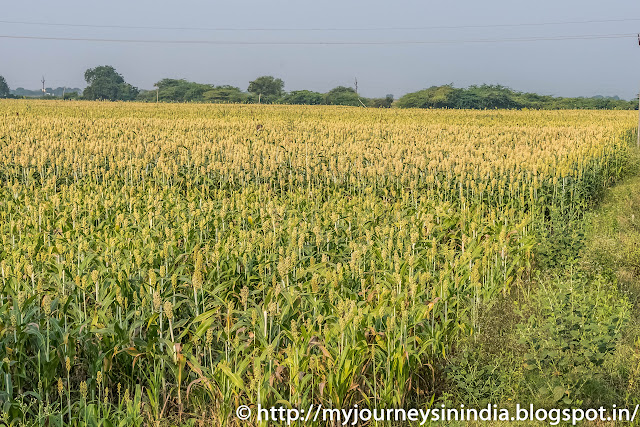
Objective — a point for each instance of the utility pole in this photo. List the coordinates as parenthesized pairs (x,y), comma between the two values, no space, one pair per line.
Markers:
(44,92)
(356,85)
(157,95)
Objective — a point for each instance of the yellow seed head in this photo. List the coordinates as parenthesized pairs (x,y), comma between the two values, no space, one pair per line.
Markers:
(168,309)
(294,330)
(196,280)
(157,302)
(152,278)
(83,390)
(46,305)
(272,307)
(244,296)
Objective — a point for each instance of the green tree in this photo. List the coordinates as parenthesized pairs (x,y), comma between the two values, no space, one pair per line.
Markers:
(343,96)
(303,97)
(71,95)
(434,97)
(4,88)
(104,83)
(225,94)
(172,90)
(385,102)
(495,97)
(267,88)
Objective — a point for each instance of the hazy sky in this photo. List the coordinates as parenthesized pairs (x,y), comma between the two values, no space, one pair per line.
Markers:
(556,67)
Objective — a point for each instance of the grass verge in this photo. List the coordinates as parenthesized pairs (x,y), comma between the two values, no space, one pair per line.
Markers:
(571,336)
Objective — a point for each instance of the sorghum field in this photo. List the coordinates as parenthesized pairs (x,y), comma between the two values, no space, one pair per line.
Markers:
(176,261)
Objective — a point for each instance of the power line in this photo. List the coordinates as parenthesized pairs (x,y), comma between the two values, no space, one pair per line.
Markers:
(328,43)
(438,27)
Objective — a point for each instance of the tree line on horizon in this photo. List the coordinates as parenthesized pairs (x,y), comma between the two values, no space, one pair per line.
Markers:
(105,83)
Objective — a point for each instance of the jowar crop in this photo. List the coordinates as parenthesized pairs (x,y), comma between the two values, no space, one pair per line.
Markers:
(179,260)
